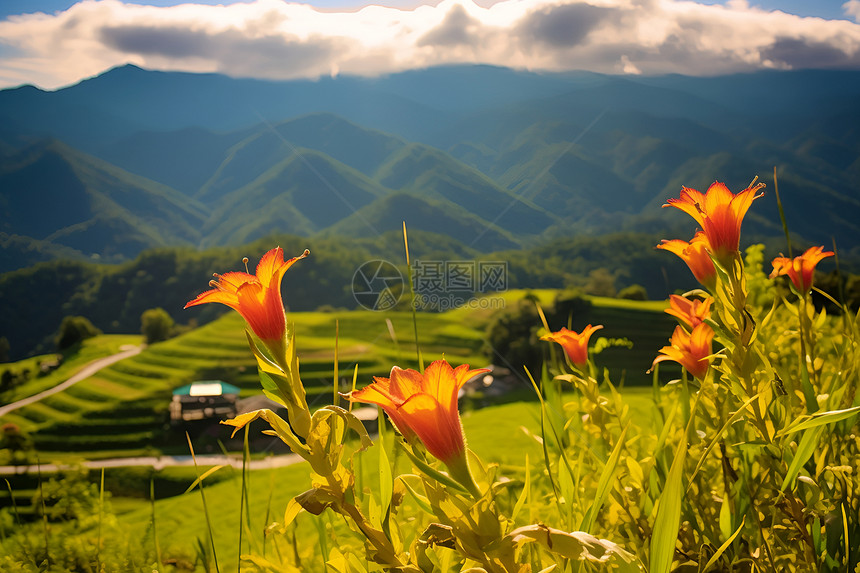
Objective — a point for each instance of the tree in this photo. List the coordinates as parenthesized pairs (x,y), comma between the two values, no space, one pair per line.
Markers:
(601,282)
(634,292)
(511,338)
(156,325)
(74,330)
(17,442)
(4,349)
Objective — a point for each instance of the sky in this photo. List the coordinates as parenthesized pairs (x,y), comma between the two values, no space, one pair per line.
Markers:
(56,43)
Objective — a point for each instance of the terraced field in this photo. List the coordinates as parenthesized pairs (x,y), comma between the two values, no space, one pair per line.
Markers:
(122,411)
(124,406)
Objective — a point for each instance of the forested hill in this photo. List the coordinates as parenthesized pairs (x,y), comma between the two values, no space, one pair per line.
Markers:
(33,301)
(496,158)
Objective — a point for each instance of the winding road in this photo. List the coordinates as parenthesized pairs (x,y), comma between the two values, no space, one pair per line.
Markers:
(83,374)
(157,462)
(160,462)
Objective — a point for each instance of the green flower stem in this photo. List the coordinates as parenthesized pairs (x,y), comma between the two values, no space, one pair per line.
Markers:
(458,467)
(807,357)
(743,361)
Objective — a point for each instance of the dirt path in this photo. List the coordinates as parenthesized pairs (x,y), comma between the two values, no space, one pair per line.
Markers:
(161,462)
(84,373)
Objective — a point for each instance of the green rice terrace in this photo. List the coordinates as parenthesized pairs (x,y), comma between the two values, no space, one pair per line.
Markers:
(122,409)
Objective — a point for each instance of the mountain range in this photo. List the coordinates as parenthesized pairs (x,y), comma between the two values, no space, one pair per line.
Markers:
(492,157)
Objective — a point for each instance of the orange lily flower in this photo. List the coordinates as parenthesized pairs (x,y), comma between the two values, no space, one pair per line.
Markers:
(720,214)
(575,344)
(256,297)
(424,405)
(690,312)
(690,350)
(695,254)
(800,269)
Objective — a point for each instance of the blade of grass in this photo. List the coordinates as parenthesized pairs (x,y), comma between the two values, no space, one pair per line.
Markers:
(393,336)
(715,440)
(101,515)
(24,542)
(414,309)
(665,533)
(839,284)
(604,484)
(781,213)
(846,559)
(268,507)
(321,534)
(422,501)
(724,546)
(154,527)
(354,382)
(819,419)
(336,383)
(386,481)
(433,473)
(563,457)
(203,498)
(44,513)
(805,448)
(243,494)
(527,483)
(205,475)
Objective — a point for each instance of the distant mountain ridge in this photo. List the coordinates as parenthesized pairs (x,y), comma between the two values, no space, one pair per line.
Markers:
(496,158)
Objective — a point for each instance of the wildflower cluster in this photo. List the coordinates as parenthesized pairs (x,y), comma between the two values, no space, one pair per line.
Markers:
(738,477)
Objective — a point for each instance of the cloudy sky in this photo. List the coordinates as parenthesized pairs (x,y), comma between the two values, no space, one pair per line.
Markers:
(54,43)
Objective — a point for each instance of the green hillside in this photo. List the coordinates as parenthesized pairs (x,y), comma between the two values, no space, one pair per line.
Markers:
(304,193)
(551,155)
(442,217)
(431,173)
(97,208)
(156,152)
(33,301)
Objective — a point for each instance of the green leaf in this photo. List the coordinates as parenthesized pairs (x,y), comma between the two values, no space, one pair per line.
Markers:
(386,481)
(576,545)
(715,440)
(205,475)
(819,419)
(665,532)
(422,501)
(724,546)
(604,484)
(352,423)
(524,494)
(805,449)
(279,427)
(294,508)
(433,473)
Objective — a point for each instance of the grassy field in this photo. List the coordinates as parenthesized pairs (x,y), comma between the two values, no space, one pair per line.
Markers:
(500,434)
(121,411)
(89,350)
(123,408)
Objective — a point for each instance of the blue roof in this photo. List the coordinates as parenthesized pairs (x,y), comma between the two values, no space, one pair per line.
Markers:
(206,388)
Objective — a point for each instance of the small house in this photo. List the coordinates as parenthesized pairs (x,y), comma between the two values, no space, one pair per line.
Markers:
(203,399)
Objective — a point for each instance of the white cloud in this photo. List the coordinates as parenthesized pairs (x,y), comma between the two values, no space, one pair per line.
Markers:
(275,39)
(852,9)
